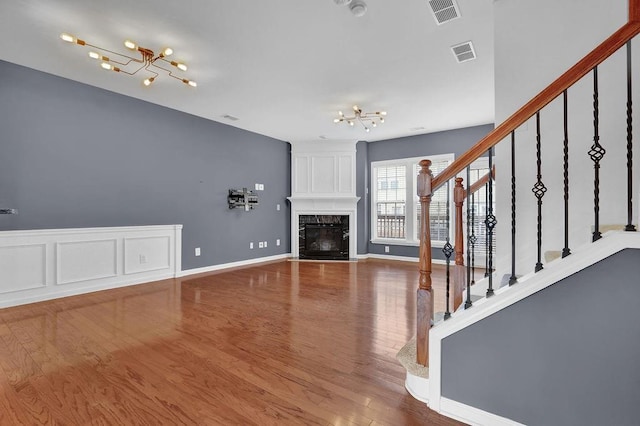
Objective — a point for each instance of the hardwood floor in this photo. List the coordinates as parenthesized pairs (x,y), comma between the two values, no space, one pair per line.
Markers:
(282,343)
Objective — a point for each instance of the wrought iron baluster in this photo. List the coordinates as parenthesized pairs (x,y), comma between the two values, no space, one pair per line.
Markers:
(539,189)
(566,251)
(630,226)
(486,241)
(468,303)
(596,153)
(513,279)
(473,239)
(448,251)
(490,222)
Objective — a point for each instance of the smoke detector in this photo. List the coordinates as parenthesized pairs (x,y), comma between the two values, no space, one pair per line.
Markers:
(358,8)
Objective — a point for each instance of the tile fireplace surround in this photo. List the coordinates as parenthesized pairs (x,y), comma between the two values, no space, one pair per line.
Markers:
(323,183)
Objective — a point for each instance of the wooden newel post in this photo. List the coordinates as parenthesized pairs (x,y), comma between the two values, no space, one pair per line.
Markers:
(458,271)
(424,308)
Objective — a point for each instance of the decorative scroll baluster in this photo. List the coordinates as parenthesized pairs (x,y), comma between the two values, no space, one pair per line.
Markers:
(468,303)
(473,239)
(424,302)
(448,251)
(458,271)
(596,153)
(490,222)
(565,251)
(486,240)
(513,278)
(630,226)
(539,189)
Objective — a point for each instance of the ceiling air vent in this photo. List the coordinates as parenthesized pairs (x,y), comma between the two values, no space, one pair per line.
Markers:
(444,10)
(464,51)
(230,117)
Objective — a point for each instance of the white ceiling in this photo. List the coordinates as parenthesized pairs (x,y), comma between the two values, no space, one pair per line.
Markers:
(283,67)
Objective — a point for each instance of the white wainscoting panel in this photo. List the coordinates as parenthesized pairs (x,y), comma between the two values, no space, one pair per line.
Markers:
(301,172)
(323,174)
(46,264)
(86,260)
(144,254)
(346,183)
(23,267)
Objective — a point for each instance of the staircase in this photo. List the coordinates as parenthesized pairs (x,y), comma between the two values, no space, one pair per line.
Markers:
(552,337)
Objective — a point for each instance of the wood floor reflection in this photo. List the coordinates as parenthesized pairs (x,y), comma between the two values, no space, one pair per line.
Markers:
(276,344)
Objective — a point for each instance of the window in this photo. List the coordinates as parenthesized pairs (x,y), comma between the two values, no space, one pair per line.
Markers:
(395,204)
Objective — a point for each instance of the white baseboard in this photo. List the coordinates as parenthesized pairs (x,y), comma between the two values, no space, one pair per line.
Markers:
(471,415)
(400,258)
(17,300)
(229,265)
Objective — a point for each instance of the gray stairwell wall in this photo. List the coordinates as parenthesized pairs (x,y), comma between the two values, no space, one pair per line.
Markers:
(451,141)
(74,156)
(567,355)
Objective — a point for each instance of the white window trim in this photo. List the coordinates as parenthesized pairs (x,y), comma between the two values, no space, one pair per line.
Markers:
(411,201)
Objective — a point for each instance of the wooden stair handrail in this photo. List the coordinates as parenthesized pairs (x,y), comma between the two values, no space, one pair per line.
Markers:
(555,89)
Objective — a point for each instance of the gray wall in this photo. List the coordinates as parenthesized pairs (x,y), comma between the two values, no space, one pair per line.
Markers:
(452,141)
(362,179)
(77,156)
(567,355)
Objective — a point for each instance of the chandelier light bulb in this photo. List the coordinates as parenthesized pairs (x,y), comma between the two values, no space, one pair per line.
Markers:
(179,65)
(130,45)
(68,38)
(95,55)
(381,120)
(374,124)
(350,123)
(167,51)
(366,129)
(148,81)
(336,120)
(106,66)
(355,108)
(192,83)
(340,114)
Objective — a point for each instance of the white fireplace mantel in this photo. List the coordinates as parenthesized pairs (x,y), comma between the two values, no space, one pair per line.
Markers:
(323,178)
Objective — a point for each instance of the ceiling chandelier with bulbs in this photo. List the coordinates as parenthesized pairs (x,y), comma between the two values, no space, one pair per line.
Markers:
(366,119)
(148,61)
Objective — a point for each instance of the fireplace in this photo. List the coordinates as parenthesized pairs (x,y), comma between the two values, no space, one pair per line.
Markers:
(324,237)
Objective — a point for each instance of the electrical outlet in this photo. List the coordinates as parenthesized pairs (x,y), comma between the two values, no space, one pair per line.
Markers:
(278,242)
(386,249)
(143,258)
(278,207)
(260,244)
(262,187)
(251,245)
(265,244)
(197,251)
(257,186)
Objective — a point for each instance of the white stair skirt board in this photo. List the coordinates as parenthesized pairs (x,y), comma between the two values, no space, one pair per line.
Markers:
(582,257)
(418,387)
(45,264)
(417,381)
